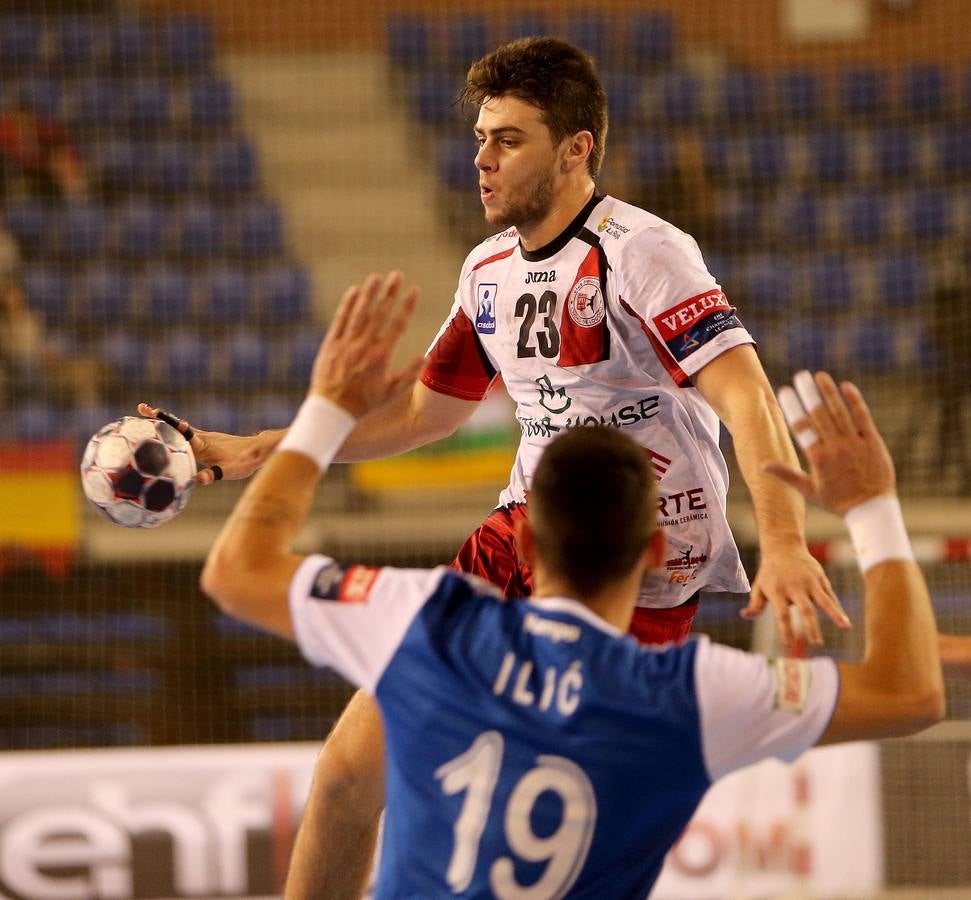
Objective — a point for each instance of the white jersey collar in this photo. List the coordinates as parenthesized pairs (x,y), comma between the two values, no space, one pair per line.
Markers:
(574,608)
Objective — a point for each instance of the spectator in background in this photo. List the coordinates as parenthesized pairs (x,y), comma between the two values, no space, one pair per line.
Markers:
(951,331)
(31,366)
(39,157)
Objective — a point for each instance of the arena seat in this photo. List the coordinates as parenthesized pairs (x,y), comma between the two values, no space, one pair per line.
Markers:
(20,41)
(228,294)
(29,221)
(456,170)
(873,345)
(80,230)
(863,216)
(652,157)
(42,94)
(186,360)
(301,350)
(232,166)
(831,154)
(213,414)
(952,149)
(928,214)
(467,38)
(79,43)
(116,164)
(186,42)
(863,91)
(593,32)
(902,281)
(125,351)
(35,420)
(407,40)
(284,294)
(139,229)
(833,283)
(104,296)
(894,152)
(798,94)
(147,103)
(48,291)
(798,218)
(768,157)
(167,167)
(211,103)
(200,230)
(925,90)
(680,98)
(808,346)
(168,291)
(525,24)
(742,96)
(248,358)
(435,93)
(131,44)
(769,285)
(260,228)
(652,39)
(97,103)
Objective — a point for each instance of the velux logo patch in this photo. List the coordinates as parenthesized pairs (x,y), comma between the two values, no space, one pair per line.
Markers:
(485,314)
(694,322)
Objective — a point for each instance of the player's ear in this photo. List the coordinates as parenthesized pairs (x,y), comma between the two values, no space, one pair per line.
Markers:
(578,149)
(525,541)
(656,548)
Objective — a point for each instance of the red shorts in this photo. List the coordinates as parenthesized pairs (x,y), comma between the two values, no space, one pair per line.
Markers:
(490,553)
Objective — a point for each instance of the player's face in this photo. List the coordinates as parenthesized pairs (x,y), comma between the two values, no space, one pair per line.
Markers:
(517,161)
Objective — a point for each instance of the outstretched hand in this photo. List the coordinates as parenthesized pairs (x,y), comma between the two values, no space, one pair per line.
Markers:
(353,366)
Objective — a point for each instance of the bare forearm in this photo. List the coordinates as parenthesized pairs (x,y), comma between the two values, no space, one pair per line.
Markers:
(955,651)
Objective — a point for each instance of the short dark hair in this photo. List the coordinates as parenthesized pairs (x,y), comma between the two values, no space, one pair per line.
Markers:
(592,506)
(552,75)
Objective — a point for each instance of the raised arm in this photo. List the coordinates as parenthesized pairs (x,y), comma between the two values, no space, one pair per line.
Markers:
(250,566)
(897,688)
(735,386)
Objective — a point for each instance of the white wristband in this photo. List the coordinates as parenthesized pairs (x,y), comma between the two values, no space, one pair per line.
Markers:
(318,430)
(878,532)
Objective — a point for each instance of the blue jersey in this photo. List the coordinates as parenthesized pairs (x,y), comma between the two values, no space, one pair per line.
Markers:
(532,750)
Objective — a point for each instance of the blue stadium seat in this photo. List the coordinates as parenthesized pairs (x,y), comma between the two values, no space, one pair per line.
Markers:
(139,229)
(873,345)
(300,352)
(894,152)
(48,292)
(186,360)
(228,294)
(740,218)
(525,24)
(407,40)
(720,155)
(832,281)
(680,98)
(435,94)
(38,421)
(168,291)
(88,418)
(768,157)
(249,358)
(925,90)
(166,167)
(831,154)
(81,230)
(284,294)
(132,45)
(808,346)
(769,286)
(20,41)
(29,221)
(200,230)
(623,96)
(272,411)
(863,91)
(98,103)
(799,219)
(211,103)
(104,296)
(260,229)
(78,43)
(116,164)
(863,216)
(651,39)
(743,96)
(127,353)
(233,166)
(928,214)
(594,33)
(902,281)
(952,146)
(798,94)
(456,170)
(43,95)
(652,157)
(467,38)
(214,414)
(147,103)
(186,42)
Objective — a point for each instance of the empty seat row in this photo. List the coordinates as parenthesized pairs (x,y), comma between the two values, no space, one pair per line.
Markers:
(92,42)
(105,295)
(139,230)
(416,41)
(142,102)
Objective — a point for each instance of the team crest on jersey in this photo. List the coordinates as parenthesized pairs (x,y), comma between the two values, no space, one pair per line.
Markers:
(586,303)
(485,314)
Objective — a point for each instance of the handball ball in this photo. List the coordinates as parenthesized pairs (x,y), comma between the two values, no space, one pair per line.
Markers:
(138,472)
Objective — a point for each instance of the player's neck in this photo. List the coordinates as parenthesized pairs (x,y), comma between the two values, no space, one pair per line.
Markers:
(613,603)
(564,209)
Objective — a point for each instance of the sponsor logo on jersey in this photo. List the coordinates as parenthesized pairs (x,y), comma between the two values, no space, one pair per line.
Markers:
(683,569)
(611,226)
(691,324)
(485,315)
(551,628)
(586,303)
(793,678)
(541,277)
(552,399)
(335,583)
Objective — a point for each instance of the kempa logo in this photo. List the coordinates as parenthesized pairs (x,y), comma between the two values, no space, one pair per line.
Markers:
(548,396)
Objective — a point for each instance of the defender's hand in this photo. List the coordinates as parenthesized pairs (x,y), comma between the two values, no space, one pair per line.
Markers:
(228,456)
(353,365)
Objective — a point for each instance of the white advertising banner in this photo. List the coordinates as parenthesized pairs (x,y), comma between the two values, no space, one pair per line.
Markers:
(219,822)
(812,829)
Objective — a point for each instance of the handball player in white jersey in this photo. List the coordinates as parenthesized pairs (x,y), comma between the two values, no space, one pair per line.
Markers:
(591,311)
(534,750)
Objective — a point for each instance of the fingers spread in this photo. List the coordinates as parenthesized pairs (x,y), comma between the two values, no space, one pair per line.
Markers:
(862,417)
(834,403)
(799,423)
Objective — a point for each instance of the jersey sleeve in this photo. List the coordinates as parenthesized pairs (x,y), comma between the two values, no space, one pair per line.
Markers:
(682,310)
(354,618)
(752,707)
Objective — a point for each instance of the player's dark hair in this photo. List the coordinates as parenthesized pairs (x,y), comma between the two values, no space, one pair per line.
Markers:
(592,506)
(555,77)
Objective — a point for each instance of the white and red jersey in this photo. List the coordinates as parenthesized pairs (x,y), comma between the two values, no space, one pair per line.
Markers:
(607,324)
